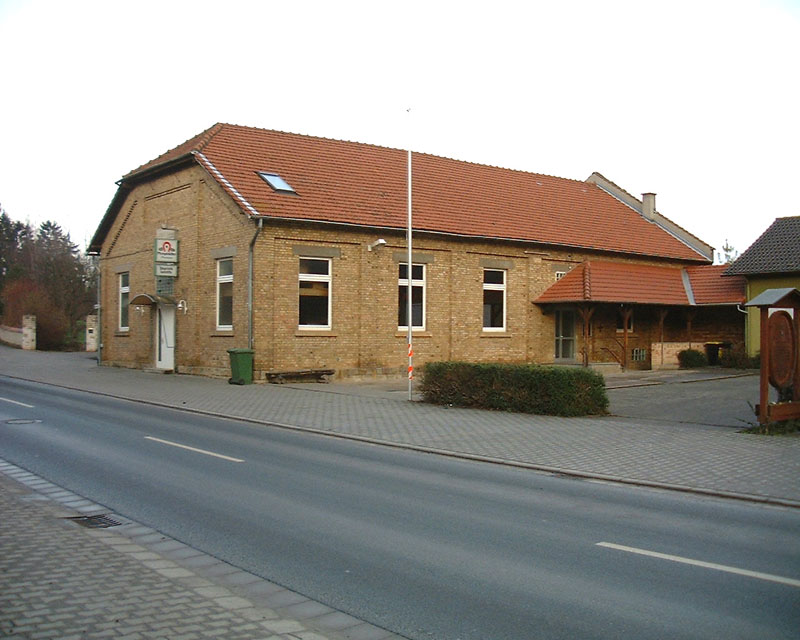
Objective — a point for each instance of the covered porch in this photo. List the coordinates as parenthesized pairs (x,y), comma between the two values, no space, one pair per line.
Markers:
(638,316)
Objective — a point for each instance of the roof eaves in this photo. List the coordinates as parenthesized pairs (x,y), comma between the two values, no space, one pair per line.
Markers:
(124,186)
(452,234)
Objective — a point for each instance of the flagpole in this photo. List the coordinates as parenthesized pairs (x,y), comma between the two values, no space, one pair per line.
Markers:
(409,273)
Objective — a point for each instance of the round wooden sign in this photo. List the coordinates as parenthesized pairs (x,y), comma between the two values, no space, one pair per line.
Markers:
(782,350)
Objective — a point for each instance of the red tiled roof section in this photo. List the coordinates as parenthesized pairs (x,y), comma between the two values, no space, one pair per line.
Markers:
(625,282)
(619,282)
(710,287)
(354,183)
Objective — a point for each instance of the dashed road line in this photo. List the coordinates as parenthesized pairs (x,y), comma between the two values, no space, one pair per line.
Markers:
(196,450)
(700,563)
(21,404)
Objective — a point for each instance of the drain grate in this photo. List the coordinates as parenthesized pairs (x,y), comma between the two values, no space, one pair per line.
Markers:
(100,521)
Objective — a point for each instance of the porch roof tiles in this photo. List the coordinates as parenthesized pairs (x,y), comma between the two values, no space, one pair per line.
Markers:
(630,283)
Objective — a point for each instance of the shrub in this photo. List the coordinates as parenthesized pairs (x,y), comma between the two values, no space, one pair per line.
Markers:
(738,359)
(692,359)
(558,391)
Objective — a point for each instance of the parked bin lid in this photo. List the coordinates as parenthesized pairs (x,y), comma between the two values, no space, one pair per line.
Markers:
(240,351)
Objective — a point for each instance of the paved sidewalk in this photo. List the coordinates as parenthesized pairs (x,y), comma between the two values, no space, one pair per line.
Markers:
(692,457)
(61,580)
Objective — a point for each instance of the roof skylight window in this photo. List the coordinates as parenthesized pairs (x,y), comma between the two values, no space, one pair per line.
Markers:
(276,182)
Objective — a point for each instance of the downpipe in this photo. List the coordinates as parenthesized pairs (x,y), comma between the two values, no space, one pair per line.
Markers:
(250,284)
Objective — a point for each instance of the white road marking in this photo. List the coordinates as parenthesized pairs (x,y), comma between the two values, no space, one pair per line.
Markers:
(188,448)
(21,404)
(706,565)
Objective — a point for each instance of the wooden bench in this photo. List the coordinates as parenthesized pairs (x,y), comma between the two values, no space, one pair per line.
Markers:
(300,375)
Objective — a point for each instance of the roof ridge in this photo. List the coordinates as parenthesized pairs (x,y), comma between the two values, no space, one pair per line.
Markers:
(587,280)
(388,148)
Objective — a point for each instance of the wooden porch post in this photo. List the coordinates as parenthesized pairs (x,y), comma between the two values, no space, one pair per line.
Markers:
(662,314)
(689,318)
(626,316)
(586,313)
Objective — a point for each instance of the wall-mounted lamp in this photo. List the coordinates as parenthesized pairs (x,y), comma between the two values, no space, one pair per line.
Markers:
(380,242)
(183,306)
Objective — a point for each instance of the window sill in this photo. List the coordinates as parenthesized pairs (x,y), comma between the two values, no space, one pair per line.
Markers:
(414,334)
(315,333)
(222,334)
(495,334)
(121,334)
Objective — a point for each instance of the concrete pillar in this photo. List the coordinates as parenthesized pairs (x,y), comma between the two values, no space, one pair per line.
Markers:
(91,333)
(29,333)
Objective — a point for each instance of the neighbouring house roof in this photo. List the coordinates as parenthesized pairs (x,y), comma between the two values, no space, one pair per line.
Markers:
(782,297)
(631,283)
(776,251)
(365,185)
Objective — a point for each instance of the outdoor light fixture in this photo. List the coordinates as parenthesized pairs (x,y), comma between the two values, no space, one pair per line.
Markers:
(374,245)
(183,306)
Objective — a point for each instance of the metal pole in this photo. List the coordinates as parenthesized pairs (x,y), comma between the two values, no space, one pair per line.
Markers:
(409,273)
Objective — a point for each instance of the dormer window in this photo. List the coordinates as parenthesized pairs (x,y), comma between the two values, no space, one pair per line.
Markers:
(276,182)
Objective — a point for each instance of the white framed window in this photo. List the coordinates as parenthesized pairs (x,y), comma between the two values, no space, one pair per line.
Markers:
(417,296)
(494,299)
(124,300)
(560,274)
(314,304)
(225,294)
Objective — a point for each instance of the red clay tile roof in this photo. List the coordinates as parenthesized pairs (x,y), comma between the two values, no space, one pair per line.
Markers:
(710,287)
(623,282)
(360,184)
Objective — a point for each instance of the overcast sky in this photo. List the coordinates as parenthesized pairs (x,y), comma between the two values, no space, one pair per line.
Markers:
(696,100)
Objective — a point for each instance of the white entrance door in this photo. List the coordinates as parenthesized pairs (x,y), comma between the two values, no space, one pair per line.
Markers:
(165,331)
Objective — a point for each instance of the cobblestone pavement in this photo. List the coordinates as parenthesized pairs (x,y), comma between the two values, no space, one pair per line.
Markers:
(61,580)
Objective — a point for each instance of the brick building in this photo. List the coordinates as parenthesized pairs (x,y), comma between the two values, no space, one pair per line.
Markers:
(295,246)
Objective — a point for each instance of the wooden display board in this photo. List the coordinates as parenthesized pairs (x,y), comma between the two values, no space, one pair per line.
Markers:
(780,353)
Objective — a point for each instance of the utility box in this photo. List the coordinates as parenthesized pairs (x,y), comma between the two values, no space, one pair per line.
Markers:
(241,366)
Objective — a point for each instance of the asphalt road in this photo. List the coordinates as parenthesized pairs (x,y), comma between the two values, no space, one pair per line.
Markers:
(423,545)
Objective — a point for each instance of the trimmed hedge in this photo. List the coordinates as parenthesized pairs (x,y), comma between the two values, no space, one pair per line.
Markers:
(692,359)
(554,391)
